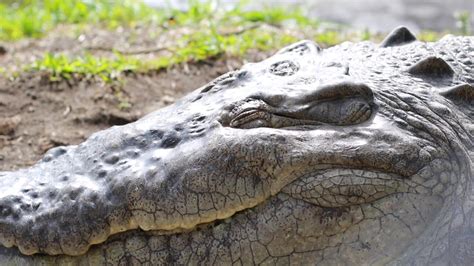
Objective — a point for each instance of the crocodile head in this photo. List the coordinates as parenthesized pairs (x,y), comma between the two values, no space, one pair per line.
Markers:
(357,154)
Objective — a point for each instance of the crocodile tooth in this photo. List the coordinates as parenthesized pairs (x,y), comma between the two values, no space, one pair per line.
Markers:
(399,36)
(460,93)
(432,67)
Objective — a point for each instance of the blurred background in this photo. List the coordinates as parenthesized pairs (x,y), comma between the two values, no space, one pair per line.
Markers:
(377,15)
(71,68)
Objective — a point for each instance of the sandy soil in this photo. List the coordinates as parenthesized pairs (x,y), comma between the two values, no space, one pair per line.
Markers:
(37,114)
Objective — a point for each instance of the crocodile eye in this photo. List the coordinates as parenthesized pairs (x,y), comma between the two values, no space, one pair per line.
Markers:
(341,104)
(284,68)
(251,113)
(341,112)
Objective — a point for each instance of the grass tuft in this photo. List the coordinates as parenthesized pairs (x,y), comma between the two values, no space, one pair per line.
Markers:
(463,22)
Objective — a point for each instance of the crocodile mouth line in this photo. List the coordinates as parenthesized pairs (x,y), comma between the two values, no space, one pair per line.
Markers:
(353,177)
(211,224)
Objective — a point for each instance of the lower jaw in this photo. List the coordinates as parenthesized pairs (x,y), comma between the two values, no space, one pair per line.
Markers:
(282,227)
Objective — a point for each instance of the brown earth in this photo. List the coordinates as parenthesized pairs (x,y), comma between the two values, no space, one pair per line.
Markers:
(37,114)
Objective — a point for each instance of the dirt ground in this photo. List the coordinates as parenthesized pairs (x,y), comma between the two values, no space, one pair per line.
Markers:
(37,114)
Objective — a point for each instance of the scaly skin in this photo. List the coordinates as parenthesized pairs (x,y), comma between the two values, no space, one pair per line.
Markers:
(357,154)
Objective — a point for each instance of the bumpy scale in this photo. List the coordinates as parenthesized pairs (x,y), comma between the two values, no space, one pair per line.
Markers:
(356,154)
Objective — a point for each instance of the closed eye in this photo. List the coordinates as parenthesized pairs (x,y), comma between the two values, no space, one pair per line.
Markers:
(341,112)
(342,104)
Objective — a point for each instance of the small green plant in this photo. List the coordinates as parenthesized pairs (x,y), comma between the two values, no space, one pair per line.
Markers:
(366,34)
(463,22)
(429,36)
(63,67)
(196,12)
(328,38)
(270,15)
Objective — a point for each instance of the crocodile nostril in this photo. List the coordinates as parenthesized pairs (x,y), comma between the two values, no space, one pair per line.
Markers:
(346,71)
(284,68)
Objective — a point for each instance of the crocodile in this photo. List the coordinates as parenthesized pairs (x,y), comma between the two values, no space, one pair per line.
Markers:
(361,153)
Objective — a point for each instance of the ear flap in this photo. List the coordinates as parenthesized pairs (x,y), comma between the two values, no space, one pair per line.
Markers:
(461,94)
(398,36)
(301,48)
(432,68)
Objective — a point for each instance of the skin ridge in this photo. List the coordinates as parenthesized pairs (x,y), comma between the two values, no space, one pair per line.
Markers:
(367,162)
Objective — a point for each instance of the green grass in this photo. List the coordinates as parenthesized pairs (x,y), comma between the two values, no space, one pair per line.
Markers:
(194,48)
(429,36)
(204,19)
(269,15)
(34,18)
(464,22)
(62,67)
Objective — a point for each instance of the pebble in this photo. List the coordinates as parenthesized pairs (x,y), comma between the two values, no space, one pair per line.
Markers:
(9,124)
